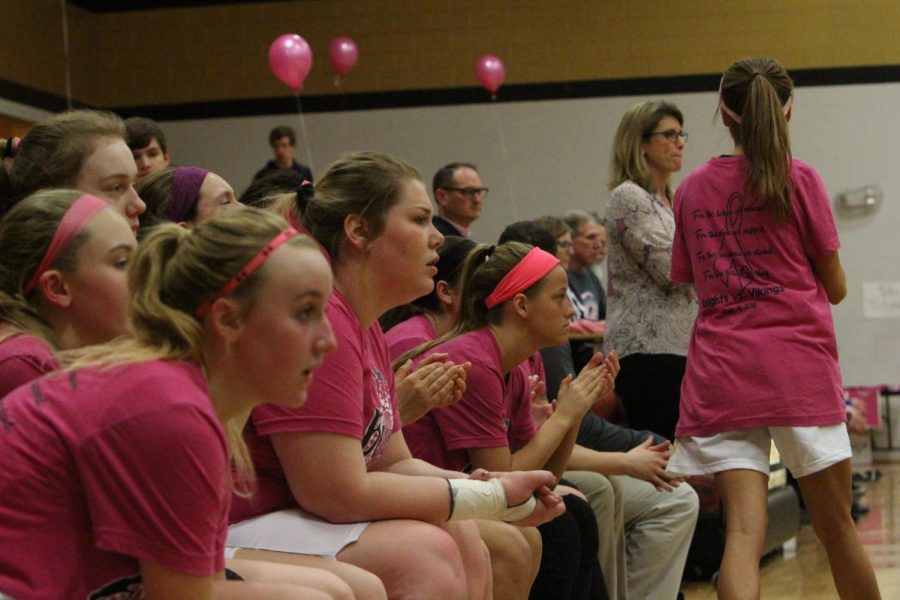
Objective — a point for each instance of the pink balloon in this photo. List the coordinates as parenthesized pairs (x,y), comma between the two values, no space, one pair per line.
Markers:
(290,59)
(490,72)
(342,54)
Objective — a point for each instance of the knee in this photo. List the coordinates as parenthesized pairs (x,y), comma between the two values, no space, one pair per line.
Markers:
(834,529)
(510,552)
(428,564)
(753,528)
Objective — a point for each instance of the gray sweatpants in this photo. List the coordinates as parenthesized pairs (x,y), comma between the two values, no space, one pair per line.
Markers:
(644,534)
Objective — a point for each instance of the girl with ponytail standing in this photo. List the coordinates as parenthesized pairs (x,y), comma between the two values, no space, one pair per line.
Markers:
(756,236)
(116,472)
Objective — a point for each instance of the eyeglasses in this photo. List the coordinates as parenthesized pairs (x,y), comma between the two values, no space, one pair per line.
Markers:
(468,192)
(671,135)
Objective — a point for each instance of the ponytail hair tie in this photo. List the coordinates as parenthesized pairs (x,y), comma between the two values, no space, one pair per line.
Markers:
(736,117)
(305,192)
(490,251)
(11,147)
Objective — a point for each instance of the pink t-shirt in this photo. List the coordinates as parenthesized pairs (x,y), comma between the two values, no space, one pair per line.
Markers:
(23,358)
(352,394)
(405,336)
(762,350)
(495,410)
(102,468)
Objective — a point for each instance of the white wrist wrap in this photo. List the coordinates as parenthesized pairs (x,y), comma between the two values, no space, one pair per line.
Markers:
(472,499)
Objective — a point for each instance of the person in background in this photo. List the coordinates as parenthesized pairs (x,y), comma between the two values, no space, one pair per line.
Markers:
(148,145)
(649,316)
(600,268)
(585,292)
(763,362)
(459,195)
(283,142)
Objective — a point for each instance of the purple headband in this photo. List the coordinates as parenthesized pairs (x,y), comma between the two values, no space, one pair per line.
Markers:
(185,189)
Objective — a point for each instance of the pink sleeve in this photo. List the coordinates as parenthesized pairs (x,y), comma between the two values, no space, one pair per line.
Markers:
(815,220)
(681,261)
(335,401)
(24,358)
(157,488)
(19,370)
(478,420)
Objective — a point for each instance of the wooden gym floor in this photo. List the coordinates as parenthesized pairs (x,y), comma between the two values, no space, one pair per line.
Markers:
(805,576)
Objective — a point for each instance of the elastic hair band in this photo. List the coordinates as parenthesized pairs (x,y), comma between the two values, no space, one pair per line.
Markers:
(531,269)
(248,269)
(73,223)
(306,190)
(11,147)
(185,189)
(736,117)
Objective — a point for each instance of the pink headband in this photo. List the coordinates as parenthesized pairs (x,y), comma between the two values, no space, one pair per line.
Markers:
(736,117)
(248,270)
(185,189)
(531,269)
(73,222)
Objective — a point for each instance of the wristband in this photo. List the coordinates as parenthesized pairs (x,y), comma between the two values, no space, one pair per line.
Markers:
(472,499)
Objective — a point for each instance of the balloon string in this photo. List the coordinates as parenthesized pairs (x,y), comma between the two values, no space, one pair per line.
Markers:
(304,135)
(66,62)
(514,199)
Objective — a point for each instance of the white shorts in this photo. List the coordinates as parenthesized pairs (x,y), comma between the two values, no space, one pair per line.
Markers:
(293,530)
(803,450)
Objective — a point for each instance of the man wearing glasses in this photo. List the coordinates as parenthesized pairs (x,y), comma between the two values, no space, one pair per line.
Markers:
(459,195)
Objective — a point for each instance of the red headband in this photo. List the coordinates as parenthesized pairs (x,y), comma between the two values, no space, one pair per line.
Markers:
(531,269)
(248,270)
(73,222)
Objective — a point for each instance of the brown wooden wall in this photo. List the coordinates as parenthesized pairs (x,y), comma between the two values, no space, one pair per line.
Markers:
(209,53)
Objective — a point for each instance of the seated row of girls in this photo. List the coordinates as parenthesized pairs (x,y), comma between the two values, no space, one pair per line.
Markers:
(76,296)
(130,490)
(548,500)
(335,476)
(84,301)
(654,515)
(79,204)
